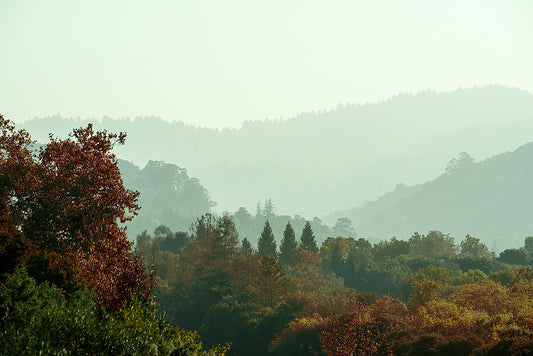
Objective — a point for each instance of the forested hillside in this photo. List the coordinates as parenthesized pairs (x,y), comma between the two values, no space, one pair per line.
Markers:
(319,162)
(70,282)
(489,199)
(168,196)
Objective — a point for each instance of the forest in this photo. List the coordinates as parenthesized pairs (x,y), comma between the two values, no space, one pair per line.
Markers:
(73,283)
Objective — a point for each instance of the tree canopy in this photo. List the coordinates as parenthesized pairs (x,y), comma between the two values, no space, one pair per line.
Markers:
(66,202)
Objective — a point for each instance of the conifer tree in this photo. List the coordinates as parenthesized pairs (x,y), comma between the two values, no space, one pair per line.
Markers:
(289,247)
(267,244)
(246,248)
(307,240)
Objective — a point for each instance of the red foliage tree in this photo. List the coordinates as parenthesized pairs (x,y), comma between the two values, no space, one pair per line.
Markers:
(67,203)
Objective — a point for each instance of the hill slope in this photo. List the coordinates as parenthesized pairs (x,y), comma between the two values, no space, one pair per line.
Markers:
(168,196)
(324,161)
(491,200)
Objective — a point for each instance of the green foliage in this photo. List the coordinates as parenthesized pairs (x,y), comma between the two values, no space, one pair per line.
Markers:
(514,256)
(343,227)
(169,196)
(471,247)
(334,252)
(392,248)
(38,319)
(433,245)
(246,248)
(528,245)
(267,243)
(307,240)
(289,247)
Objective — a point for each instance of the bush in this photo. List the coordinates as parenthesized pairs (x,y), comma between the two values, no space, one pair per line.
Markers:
(38,319)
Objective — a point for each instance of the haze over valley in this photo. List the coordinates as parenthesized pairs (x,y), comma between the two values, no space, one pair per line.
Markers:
(267,178)
(321,162)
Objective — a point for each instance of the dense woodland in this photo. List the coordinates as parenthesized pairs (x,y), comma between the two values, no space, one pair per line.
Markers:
(427,294)
(73,283)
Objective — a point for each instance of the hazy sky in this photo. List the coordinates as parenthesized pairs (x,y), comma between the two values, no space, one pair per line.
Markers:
(219,63)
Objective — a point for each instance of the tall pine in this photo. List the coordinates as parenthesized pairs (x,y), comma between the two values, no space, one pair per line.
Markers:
(308,242)
(267,244)
(289,247)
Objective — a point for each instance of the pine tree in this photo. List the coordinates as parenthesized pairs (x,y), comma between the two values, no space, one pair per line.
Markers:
(289,247)
(267,244)
(307,240)
(246,248)
(268,210)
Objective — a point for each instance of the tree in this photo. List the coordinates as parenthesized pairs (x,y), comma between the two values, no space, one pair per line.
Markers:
(67,203)
(343,227)
(433,245)
(268,210)
(462,161)
(271,284)
(528,245)
(334,252)
(217,238)
(473,247)
(205,269)
(514,256)
(392,248)
(423,292)
(289,247)
(266,245)
(307,240)
(242,216)
(246,248)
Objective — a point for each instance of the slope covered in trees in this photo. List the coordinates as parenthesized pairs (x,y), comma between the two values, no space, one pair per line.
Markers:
(488,199)
(320,162)
(167,196)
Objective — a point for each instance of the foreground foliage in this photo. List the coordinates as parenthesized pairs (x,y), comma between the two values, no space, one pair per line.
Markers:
(69,283)
(38,319)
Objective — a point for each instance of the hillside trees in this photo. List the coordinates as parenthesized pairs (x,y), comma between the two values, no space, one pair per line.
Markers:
(433,245)
(169,196)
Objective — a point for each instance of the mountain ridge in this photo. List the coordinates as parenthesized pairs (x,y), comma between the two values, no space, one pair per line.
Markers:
(489,199)
(320,162)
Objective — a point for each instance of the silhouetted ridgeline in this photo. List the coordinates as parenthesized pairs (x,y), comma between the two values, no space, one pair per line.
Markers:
(490,200)
(324,161)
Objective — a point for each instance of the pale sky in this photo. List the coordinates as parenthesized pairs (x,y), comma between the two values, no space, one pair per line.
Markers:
(219,63)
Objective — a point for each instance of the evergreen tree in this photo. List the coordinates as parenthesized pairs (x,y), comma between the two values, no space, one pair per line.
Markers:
(289,247)
(267,244)
(268,210)
(246,248)
(307,240)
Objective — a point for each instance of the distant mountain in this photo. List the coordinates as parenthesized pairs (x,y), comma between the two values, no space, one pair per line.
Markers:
(491,200)
(324,161)
(168,196)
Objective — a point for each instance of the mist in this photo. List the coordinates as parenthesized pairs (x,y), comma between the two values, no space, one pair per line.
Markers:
(236,178)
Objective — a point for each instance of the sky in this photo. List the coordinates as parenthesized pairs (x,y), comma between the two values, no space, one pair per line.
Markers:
(220,63)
